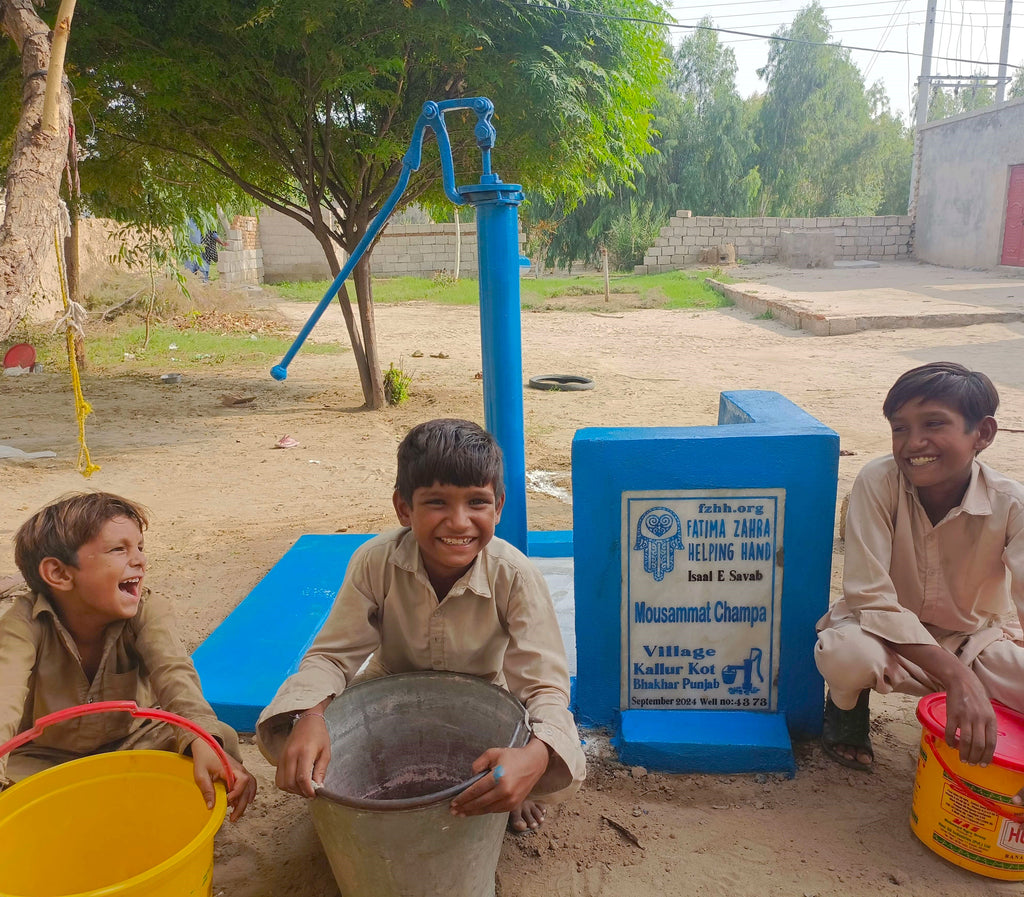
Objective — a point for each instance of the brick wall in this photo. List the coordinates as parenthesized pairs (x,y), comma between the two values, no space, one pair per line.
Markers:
(757,239)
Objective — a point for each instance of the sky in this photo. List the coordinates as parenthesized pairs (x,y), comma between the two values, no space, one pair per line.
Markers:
(964,29)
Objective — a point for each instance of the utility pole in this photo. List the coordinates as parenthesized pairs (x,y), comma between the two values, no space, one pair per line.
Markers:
(923,90)
(1004,52)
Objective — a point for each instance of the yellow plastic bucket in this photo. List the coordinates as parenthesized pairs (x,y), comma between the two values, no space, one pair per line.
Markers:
(121,824)
(965,813)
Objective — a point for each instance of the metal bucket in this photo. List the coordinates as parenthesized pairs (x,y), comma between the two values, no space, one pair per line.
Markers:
(401,747)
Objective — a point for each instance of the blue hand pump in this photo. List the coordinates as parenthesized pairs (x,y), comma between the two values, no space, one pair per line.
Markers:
(497,208)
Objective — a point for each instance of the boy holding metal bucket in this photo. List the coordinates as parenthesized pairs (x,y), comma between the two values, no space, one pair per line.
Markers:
(441,593)
(933,583)
(89,632)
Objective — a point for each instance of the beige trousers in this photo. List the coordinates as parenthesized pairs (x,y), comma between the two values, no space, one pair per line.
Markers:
(851,660)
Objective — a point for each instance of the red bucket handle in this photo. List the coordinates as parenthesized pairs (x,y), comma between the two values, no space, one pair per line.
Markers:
(59,716)
(959,786)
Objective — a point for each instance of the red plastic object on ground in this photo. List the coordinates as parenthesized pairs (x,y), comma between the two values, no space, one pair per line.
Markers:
(20,355)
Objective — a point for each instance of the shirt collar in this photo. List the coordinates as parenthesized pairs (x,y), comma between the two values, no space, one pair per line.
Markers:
(43,605)
(407,556)
(975,501)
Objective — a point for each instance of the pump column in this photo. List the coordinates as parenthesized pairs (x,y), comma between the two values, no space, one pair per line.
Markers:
(497,211)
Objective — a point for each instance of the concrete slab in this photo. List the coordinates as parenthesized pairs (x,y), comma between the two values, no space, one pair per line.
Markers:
(840,301)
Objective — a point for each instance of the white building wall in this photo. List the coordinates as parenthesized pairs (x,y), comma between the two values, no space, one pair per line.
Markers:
(964,176)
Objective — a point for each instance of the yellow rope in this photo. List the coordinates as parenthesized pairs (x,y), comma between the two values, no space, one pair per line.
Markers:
(82,408)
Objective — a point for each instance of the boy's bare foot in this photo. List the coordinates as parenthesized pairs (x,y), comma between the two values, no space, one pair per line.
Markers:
(845,734)
(527,817)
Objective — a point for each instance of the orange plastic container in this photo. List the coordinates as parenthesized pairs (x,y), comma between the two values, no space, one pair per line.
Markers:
(964,813)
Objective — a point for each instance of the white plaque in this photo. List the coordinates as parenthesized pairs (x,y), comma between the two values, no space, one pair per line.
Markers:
(701,588)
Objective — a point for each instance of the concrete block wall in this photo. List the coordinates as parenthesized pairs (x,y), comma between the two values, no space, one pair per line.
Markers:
(421,250)
(415,250)
(241,262)
(758,239)
(289,250)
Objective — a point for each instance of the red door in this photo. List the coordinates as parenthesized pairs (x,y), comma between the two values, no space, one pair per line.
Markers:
(1013,234)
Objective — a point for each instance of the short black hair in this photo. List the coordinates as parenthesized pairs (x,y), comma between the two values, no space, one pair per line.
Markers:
(448,451)
(971,393)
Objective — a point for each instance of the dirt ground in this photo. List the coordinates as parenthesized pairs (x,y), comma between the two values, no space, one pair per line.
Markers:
(226,505)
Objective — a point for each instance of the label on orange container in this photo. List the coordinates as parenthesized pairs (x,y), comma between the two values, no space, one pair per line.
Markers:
(1011,836)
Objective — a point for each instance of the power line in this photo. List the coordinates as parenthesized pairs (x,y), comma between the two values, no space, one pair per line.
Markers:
(562,6)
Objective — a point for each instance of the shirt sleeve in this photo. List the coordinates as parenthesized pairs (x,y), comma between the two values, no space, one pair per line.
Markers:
(868,589)
(172,676)
(18,649)
(537,673)
(350,634)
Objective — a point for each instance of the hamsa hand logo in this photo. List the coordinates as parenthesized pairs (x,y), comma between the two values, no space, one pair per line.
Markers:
(658,535)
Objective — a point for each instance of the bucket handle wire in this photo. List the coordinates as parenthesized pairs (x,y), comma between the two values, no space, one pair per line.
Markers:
(410,803)
(960,786)
(59,716)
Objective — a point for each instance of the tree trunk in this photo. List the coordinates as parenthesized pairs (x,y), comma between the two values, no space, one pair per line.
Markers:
(34,175)
(358,352)
(364,296)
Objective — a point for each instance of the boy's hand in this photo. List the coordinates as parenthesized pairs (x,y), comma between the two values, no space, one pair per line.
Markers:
(305,757)
(969,709)
(520,769)
(206,767)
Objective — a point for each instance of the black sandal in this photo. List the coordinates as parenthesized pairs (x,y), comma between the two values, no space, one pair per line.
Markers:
(849,728)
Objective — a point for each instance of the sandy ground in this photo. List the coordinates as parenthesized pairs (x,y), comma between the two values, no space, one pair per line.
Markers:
(226,505)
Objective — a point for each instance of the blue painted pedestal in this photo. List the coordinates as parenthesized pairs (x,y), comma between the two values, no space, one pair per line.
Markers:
(767,448)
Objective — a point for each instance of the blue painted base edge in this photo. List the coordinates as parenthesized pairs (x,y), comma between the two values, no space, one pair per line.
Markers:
(705,741)
(549,543)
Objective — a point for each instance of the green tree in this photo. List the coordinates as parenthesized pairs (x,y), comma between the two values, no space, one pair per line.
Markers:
(705,146)
(813,127)
(308,105)
(1016,88)
(947,101)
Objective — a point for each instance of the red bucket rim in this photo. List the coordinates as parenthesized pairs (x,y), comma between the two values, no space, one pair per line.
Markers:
(1009,752)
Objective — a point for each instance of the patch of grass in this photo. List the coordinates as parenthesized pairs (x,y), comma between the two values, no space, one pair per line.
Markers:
(120,350)
(673,289)
(766,315)
(390,289)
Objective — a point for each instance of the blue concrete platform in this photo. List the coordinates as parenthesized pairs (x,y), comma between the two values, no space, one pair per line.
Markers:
(260,643)
(706,741)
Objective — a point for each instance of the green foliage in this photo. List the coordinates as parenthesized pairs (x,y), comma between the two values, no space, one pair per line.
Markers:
(632,233)
(396,385)
(947,101)
(1016,88)
(310,104)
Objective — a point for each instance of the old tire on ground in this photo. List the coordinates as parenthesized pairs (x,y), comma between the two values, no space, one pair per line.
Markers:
(561,382)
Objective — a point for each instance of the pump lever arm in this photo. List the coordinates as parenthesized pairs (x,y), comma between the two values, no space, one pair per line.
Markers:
(432,117)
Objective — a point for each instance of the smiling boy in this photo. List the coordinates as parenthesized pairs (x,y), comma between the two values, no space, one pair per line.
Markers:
(933,582)
(442,593)
(90,632)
